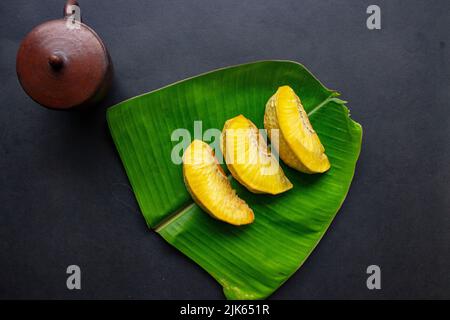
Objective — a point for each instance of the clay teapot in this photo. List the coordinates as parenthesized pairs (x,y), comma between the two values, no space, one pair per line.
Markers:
(63,64)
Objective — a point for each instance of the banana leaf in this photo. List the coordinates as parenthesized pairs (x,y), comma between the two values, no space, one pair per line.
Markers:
(250,262)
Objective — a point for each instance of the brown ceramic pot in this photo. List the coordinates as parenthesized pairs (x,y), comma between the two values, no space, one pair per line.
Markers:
(63,64)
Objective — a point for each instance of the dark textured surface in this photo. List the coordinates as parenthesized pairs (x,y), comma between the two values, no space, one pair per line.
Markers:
(65,198)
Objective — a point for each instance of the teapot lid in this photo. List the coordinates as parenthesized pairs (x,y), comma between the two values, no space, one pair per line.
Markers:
(62,64)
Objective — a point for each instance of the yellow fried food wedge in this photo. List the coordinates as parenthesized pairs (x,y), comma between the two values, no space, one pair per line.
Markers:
(249,160)
(299,145)
(210,188)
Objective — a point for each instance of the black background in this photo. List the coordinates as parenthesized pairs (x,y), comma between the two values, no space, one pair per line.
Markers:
(65,198)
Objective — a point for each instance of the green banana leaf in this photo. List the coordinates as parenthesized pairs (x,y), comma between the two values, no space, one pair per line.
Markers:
(250,262)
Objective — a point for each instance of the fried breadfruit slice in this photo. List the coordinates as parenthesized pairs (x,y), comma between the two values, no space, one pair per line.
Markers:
(210,188)
(249,160)
(299,145)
